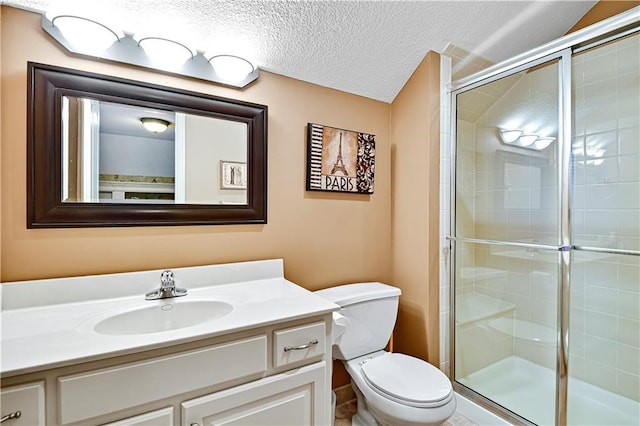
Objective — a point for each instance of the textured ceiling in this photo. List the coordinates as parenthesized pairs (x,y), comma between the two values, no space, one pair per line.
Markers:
(369,48)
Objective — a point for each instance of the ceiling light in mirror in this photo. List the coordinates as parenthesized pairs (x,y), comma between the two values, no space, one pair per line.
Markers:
(85,33)
(155,125)
(231,68)
(164,52)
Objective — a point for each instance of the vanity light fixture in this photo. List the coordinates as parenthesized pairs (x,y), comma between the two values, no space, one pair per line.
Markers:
(155,125)
(147,52)
(517,137)
(165,52)
(84,33)
(231,68)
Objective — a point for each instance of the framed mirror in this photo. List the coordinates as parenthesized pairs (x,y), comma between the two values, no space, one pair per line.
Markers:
(105,151)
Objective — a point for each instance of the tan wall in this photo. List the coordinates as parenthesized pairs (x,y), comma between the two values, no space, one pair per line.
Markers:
(324,238)
(415,158)
(602,10)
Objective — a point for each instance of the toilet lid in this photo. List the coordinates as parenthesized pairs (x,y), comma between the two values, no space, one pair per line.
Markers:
(406,379)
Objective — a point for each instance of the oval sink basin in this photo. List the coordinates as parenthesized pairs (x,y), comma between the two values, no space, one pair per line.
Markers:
(165,317)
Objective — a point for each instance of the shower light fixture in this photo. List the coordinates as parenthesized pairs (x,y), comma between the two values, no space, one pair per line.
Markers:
(155,125)
(93,39)
(85,34)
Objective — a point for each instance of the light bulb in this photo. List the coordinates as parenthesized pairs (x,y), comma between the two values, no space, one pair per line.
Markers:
(510,135)
(231,68)
(526,140)
(166,53)
(542,143)
(85,34)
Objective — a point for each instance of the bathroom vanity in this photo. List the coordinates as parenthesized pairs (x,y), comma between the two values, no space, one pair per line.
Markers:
(246,346)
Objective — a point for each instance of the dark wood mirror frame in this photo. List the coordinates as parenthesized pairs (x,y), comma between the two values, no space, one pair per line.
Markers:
(48,84)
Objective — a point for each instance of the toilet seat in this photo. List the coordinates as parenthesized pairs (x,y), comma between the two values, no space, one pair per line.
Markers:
(407,380)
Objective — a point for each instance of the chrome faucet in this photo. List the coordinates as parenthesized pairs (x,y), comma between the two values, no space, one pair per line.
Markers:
(167,288)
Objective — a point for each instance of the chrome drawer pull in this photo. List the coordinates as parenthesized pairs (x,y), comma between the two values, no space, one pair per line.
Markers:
(11,416)
(301,347)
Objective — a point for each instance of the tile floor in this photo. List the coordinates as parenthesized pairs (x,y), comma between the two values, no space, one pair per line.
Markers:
(345,410)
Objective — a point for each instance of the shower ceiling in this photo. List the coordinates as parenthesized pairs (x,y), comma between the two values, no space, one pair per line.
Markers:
(369,48)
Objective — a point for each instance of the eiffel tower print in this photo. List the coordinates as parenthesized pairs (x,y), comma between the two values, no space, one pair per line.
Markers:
(338,166)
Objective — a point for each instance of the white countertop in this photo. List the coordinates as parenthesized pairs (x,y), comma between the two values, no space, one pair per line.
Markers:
(37,336)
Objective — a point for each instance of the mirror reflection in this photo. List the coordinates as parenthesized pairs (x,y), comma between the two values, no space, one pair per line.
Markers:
(130,154)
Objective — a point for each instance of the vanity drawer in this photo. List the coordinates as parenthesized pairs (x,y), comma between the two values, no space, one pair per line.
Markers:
(28,399)
(298,343)
(86,395)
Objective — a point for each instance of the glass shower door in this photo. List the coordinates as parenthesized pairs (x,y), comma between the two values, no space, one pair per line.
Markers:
(604,363)
(506,240)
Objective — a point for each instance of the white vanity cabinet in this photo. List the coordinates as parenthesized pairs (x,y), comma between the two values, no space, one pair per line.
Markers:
(266,360)
(274,375)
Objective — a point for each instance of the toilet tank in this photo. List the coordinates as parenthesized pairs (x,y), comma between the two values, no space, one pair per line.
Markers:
(371,310)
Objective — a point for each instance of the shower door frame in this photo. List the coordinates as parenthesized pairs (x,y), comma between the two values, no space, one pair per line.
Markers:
(562,50)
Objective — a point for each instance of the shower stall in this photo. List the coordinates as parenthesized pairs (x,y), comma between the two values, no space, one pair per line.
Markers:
(545,231)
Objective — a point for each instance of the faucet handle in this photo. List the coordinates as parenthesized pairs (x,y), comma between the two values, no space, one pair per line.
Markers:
(167,280)
(167,288)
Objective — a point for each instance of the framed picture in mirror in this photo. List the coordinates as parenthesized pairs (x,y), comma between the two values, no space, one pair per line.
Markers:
(233,175)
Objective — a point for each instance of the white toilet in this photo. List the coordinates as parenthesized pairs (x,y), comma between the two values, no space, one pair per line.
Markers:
(391,388)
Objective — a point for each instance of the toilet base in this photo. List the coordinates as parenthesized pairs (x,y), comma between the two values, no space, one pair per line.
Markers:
(358,420)
(363,416)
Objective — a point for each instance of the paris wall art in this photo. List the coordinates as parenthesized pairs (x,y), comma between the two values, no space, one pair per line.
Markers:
(339,160)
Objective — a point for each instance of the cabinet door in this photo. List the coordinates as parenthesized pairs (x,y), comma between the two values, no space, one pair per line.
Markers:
(28,400)
(295,398)
(163,417)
